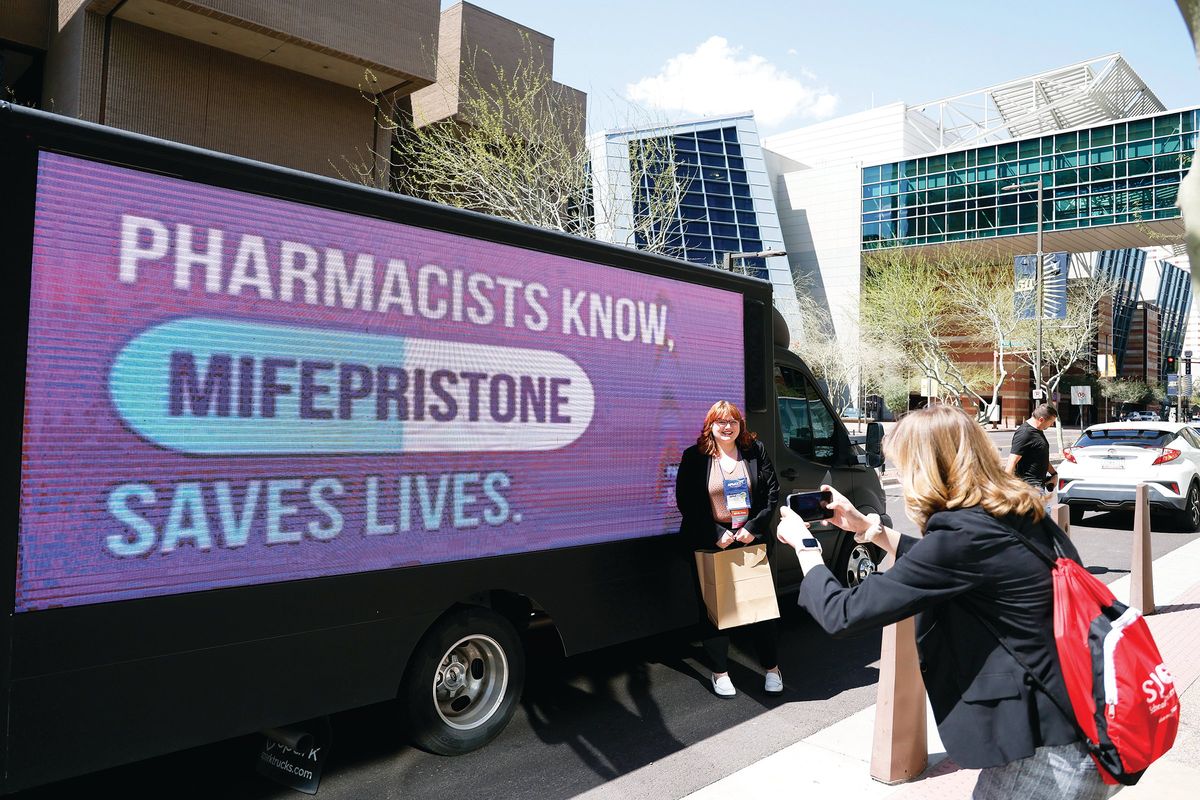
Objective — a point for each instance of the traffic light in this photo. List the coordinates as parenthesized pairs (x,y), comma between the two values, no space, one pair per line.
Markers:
(1171,365)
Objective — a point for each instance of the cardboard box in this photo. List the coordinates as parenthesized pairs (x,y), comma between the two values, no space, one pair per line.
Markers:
(737,586)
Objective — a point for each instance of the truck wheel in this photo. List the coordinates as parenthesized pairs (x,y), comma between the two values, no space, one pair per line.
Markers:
(859,563)
(463,682)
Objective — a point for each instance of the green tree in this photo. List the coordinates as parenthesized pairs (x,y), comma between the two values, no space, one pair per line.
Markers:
(940,314)
(1124,391)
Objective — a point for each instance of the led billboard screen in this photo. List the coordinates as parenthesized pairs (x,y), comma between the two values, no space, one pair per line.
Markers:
(226,389)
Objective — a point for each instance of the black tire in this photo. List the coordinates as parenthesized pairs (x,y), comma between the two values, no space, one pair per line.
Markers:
(463,682)
(1189,517)
(857,562)
(1075,513)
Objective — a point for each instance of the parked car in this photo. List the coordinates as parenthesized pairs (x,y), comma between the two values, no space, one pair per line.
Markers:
(853,413)
(1142,416)
(1101,470)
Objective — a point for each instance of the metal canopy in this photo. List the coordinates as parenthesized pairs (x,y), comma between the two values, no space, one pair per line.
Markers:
(1090,92)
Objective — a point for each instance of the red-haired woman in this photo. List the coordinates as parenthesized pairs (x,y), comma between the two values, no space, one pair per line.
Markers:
(727,492)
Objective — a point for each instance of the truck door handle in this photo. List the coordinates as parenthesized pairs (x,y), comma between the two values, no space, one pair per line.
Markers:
(789,473)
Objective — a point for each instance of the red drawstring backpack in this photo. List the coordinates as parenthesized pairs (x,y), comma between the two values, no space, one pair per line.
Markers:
(1124,699)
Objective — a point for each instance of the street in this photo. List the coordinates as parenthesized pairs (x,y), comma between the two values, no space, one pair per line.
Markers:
(633,721)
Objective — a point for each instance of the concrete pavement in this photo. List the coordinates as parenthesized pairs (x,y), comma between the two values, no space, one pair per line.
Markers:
(835,762)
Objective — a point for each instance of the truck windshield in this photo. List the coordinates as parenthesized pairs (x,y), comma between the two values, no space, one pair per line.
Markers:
(806,423)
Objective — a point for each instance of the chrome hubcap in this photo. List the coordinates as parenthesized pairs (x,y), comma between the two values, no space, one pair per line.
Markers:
(860,566)
(470,682)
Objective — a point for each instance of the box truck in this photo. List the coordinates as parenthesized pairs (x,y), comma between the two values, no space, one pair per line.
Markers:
(279,445)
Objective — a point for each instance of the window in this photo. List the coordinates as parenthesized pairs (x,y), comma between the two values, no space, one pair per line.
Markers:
(806,423)
(1125,436)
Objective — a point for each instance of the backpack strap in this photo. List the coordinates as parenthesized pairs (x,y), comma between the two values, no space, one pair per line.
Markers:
(1055,533)
(1036,681)
(1030,677)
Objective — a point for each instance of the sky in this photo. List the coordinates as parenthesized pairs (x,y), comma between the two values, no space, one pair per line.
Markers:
(799,62)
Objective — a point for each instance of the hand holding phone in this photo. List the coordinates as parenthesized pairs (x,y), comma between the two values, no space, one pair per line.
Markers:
(811,506)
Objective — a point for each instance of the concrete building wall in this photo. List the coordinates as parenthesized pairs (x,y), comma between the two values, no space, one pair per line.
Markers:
(477,50)
(818,219)
(440,100)
(855,138)
(74,63)
(176,89)
(398,35)
(282,82)
(26,22)
(816,176)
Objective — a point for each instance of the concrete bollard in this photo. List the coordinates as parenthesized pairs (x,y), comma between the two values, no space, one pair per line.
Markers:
(900,750)
(1061,514)
(1141,567)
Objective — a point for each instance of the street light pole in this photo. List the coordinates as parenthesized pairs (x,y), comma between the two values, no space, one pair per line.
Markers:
(729,257)
(1040,299)
(1039,307)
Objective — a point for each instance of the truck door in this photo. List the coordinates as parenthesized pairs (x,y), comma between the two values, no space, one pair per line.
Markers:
(814,450)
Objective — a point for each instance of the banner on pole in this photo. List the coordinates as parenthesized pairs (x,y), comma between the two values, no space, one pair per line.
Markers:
(1055,267)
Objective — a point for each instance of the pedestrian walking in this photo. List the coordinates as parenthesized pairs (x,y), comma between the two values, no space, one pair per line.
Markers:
(971,583)
(1029,458)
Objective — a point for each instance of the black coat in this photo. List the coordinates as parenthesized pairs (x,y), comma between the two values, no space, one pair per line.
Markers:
(967,564)
(698,528)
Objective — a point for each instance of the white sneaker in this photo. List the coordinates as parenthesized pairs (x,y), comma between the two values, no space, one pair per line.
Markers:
(723,687)
(773,684)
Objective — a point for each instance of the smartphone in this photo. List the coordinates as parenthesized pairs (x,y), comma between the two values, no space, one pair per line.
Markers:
(810,505)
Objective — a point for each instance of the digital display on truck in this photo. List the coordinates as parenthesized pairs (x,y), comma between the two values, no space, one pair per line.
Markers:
(225,389)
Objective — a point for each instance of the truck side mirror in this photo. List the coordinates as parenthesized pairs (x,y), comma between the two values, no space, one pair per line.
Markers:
(874,444)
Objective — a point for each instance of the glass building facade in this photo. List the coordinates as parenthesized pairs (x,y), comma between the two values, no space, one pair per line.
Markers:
(1124,268)
(726,204)
(1174,301)
(1121,172)
(717,214)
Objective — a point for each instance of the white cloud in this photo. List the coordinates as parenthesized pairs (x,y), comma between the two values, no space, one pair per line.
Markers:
(717,78)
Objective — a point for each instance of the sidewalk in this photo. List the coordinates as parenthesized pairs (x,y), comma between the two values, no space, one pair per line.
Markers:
(835,762)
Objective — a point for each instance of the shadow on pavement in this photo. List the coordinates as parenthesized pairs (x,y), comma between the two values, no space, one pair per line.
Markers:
(1122,520)
(1105,570)
(1160,610)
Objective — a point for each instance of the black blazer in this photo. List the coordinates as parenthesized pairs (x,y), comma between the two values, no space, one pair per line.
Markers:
(968,564)
(698,528)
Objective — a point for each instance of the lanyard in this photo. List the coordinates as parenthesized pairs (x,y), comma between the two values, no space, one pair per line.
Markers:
(737,495)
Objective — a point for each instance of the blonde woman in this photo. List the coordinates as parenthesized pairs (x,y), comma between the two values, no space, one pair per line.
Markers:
(967,572)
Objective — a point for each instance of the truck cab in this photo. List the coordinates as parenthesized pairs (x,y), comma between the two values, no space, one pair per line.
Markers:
(812,447)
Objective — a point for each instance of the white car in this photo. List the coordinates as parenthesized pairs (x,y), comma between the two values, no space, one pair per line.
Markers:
(1099,472)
